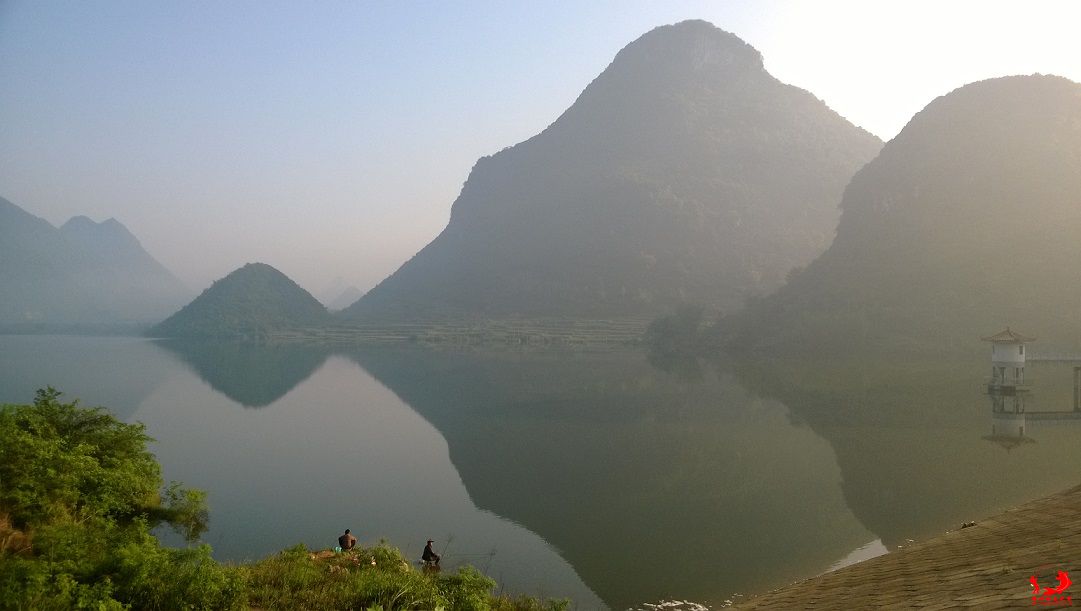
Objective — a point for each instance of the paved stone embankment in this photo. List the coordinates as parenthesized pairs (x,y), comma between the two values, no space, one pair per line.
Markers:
(986,566)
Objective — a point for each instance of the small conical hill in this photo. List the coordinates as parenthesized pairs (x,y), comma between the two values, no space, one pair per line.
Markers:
(249,303)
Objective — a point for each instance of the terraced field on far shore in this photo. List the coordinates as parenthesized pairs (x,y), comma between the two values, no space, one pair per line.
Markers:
(514,332)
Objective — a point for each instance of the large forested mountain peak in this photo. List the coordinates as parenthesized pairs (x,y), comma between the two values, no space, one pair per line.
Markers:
(683,173)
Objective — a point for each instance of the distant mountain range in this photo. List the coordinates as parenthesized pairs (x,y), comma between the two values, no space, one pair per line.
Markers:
(968,221)
(249,303)
(683,173)
(82,274)
(344,298)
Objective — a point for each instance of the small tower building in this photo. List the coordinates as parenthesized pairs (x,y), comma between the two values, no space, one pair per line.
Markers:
(1007,361)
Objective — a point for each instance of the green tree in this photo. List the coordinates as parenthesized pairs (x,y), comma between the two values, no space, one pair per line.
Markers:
(80,492)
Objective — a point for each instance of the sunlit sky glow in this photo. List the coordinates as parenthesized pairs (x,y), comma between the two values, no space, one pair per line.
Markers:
(329,139)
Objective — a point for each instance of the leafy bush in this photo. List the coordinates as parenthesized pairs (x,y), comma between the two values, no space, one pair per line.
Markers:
(59,461)
(152,577)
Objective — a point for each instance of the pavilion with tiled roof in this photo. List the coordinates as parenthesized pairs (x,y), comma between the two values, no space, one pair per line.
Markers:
(1008,337)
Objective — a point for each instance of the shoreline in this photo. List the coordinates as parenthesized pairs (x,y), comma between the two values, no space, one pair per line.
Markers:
(987,565)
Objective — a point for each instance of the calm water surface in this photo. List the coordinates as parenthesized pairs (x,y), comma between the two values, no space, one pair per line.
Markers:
(595,476)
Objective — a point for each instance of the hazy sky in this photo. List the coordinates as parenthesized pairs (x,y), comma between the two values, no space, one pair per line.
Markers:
(329,139)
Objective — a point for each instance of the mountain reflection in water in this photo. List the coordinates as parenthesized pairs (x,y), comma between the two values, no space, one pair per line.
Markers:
(649,484)
(253,375)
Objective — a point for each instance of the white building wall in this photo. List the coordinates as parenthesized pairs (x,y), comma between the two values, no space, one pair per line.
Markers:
(1011,354)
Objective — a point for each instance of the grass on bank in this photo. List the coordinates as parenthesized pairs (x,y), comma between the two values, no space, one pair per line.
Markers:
(378,577)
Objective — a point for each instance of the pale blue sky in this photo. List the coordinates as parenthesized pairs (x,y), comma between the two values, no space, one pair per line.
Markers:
(330,138)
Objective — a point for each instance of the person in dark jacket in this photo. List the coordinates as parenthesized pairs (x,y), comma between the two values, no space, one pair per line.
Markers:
(347,541)
(429,556)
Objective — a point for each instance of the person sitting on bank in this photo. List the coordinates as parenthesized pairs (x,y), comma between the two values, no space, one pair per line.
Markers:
(347,541)
(429,556)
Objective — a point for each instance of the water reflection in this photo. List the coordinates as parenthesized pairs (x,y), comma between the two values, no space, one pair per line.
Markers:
(1019,415)
(337,452)
(253,375)
(909,437)
(650,484)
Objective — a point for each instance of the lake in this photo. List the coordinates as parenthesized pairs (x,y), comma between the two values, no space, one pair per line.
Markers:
(599,476)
